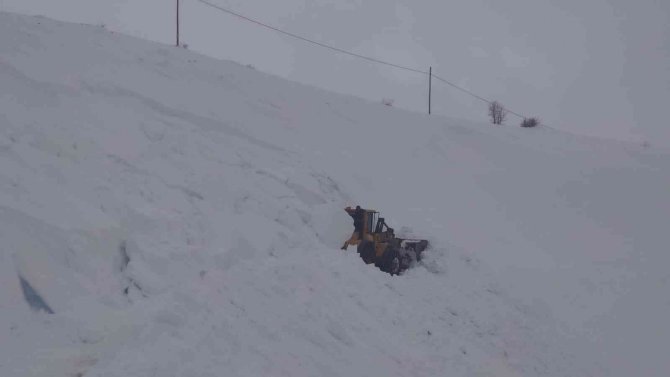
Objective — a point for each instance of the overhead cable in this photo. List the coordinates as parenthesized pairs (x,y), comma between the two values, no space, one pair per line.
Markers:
(368,58)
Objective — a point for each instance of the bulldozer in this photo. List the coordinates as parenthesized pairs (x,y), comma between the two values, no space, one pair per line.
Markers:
(377,243)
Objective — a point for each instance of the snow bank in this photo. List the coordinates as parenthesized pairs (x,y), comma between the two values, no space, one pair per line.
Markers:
(183,216)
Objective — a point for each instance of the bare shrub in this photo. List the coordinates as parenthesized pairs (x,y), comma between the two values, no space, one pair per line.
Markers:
(530,122)
(497,112)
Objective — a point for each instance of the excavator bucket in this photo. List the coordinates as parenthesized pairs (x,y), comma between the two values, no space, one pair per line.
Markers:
(417,246)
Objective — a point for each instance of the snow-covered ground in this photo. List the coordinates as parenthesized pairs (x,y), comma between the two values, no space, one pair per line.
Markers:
(182,216)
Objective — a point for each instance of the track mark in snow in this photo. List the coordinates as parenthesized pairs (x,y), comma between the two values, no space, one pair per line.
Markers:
(154,130)
(28,90)
(33,298)
(125,259)
(184,116)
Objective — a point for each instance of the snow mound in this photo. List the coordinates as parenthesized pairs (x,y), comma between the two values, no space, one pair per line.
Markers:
(180,216)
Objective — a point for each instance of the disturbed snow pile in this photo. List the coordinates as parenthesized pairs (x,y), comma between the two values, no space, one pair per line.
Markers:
(183,216)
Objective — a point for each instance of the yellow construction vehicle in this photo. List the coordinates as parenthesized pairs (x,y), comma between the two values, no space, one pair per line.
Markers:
(376,242)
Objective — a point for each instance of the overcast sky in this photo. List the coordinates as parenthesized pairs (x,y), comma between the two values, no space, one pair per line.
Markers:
(596,67)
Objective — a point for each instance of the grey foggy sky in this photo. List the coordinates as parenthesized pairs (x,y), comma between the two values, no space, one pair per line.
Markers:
(596,67)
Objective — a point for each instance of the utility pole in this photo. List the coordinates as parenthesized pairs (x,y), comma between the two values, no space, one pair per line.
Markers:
(430,87)
(177,23)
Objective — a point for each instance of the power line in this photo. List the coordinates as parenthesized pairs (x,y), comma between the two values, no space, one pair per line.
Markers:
(312,41)
(462,89)
(368,58)
(475,95)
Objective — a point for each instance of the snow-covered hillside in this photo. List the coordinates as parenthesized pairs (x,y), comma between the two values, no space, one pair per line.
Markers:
(182,216)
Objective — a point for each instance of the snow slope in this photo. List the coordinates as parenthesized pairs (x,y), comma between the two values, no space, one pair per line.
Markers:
(182,216)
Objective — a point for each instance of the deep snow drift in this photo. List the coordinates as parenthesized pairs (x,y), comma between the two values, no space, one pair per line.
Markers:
(182,216)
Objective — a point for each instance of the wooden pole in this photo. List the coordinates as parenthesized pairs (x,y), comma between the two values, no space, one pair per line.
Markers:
(177,23)
(430,87)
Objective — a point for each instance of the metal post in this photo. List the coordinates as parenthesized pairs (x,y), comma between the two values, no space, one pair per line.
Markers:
(177,23)
(430,87)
